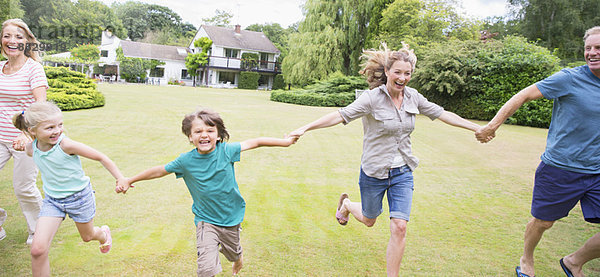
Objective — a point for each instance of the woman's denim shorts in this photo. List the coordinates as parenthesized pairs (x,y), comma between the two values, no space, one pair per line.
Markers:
(399,187)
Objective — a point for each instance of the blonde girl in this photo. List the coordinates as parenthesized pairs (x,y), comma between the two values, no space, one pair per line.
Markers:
(67,189)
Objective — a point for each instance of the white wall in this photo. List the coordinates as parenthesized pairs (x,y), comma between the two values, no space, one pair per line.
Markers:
(109,43)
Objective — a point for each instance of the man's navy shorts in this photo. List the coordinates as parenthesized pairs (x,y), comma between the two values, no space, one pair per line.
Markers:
(557,191)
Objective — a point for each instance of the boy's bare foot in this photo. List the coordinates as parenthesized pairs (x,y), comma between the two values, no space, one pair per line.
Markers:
(237,265)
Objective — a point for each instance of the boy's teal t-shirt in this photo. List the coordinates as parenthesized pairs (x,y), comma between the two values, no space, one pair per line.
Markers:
(210,178)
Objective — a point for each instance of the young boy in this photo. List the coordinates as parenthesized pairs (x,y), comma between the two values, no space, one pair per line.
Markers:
(208,172)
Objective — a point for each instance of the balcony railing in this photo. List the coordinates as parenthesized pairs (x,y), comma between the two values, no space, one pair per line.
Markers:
(235,63)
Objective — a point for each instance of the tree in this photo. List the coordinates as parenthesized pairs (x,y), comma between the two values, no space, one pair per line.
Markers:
(194,61)
(10,9)
(222,18)
(131,68)
(558,24)
(63,24)
(141,18)
(87,53)
(420,22)
(330,39)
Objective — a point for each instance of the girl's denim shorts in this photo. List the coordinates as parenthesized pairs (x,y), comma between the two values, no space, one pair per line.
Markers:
(80,206)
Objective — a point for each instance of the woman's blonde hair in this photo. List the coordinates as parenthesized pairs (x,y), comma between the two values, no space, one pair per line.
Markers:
(376,62)
(37,113)
(31,40)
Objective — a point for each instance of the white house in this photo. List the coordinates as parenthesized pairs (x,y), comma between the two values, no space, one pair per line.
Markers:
(225,64)
(173,58)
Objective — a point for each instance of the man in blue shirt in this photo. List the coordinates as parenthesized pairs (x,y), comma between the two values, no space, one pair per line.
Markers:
(570,168)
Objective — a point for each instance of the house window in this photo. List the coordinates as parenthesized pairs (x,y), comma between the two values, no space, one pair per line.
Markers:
(231,53)
(104,53)
(157,72)
(225,77)
(184,74)
(264,60)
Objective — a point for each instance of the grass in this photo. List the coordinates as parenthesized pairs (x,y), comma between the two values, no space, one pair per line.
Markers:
(470,206)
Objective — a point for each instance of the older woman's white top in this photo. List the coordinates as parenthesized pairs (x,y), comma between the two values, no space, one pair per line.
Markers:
(16,94)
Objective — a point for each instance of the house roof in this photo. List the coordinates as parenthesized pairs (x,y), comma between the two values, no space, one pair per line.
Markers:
(153,51)
(249,40)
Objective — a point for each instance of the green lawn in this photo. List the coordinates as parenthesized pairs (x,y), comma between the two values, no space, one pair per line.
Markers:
(470,206)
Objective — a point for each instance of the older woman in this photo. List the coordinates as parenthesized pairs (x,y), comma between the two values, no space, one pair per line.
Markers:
(22,82)
(388,112)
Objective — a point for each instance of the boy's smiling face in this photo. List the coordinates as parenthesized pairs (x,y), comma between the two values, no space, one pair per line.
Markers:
(203,136)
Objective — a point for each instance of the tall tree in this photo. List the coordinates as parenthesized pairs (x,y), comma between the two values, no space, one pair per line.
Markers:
(140,18)
(10,9)
(63,24)
(558,24)
(222,18)
(330,39)
(420,22)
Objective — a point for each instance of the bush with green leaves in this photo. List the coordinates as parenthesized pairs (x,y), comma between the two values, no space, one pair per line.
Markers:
(474,79)
(72,90)
(336,91)
(249,60)
(278,82)
(248,80)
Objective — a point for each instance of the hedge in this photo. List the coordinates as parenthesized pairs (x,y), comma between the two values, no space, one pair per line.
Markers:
(475,79)
(336,91)
(278,82)
(313,99)
(72,90)
(248,80)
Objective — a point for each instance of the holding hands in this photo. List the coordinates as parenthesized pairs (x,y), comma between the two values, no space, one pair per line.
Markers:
(20,142)
(485,133)
(123,185)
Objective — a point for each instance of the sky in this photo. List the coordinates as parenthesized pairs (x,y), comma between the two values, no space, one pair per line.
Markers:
(284,12)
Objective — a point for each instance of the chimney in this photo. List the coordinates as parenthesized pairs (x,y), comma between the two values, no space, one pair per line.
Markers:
(238,28)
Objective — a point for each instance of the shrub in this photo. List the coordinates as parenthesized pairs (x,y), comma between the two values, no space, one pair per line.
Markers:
(249,60)
(72,90)
(278,82)
(336,91)
(475,79)
(248,80)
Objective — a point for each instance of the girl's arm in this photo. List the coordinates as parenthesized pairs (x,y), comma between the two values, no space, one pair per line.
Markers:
(150,173)
(328,120)
(72,147)
(453,119)
(258,142)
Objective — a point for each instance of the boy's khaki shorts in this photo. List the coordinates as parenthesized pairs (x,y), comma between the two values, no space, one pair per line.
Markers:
(212,239)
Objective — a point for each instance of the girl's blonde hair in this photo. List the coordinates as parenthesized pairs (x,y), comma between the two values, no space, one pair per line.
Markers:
(37,113)
(209,118)
(31,40)
(376,62)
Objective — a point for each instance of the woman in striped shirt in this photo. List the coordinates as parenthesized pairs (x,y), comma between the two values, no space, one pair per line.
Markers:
(22,82)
